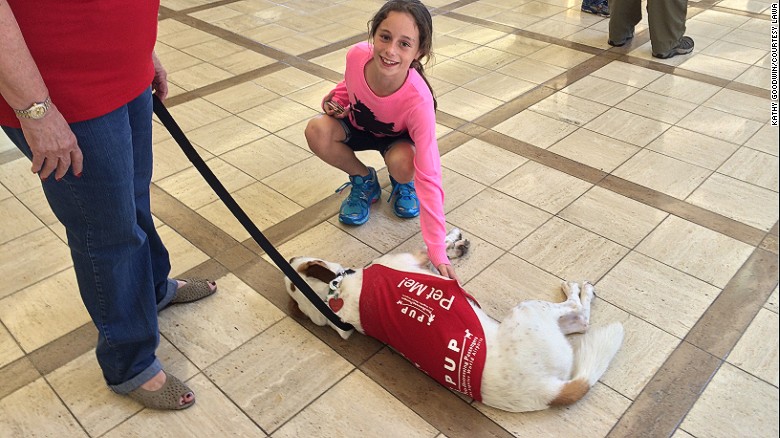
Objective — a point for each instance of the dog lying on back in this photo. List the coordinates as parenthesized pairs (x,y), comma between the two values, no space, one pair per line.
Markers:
(524,363)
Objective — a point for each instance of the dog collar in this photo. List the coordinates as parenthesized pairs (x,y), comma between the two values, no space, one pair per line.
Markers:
(334,302)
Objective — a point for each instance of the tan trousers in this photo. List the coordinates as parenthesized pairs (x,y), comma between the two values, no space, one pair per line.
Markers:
(666,19)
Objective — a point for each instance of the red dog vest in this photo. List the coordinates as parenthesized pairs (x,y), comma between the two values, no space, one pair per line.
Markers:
(429,321)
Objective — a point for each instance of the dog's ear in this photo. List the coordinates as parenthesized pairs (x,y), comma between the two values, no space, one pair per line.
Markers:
(317,269)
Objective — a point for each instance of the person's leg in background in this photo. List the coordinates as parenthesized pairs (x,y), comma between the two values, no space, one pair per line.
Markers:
(623,18)
(666,20)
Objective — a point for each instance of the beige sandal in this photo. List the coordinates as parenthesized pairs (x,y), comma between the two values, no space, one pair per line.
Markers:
(168,397)
(193,290)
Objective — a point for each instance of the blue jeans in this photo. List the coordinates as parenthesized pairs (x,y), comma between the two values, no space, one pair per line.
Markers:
(121,264)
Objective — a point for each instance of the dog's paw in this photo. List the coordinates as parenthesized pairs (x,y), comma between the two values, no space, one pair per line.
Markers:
(570,288)
(458,248)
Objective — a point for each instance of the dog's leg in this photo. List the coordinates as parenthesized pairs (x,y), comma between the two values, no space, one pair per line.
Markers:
(457,246)
(574,319)
(586,297)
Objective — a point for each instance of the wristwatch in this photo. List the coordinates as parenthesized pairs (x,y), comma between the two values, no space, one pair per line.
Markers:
(36,111)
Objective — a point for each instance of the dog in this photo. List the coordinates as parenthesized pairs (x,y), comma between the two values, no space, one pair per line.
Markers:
(525,363)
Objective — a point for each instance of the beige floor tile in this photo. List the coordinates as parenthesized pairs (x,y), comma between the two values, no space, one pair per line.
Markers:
(554,28)
(185,38)
(385,230)
(480,11)
(212,49)
(331,243)
(17,218)
(268,32)
(487,57)
(312,95)
(226,134)
(81,386)
(24,262)
(336,60)
(264,206)
(264,157)
(662,173)
(756,76)
(297,44)
(17,177)
(627,74)
(216,14)
(457,189)
(498,86)
(482,161)
(212,415)
(532,70)
(36,408)
(679,433)
(703,253)
(593,416)
(558,191)
(515,19)
(456,72)
(719,124)
(591,37)
(174,60)
(308,181)
(518,44)
(754,167)
(479,34)
(539,9)
(740,104)
(184,255)
(594,149)
(569,108)
(756,40)
(734,52)
(600,90)
(278,373)
(497,218)
(741,201)
(692,147)
(196,113)
(734,404)
(569,252)
(645,349)
(295,134)
(510,280)
(466,104)
(198,76)
(772,302)
(199,330)
(241,97)
(169,158)
(657,107)
(36,316)
(286,81)
(682,88)
(9,349)
(660,295)
(377,413)
(613,216)
(35,201)
(278,114)
(448,46)
(536,129)
(189,187)
(765,140)
(753,353)
(4,193)
(560,56)
(721,18)
(714,66)
(627,127)
(574,16)
(707,28)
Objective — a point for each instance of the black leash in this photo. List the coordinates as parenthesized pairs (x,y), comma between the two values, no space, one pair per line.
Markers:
(177,134)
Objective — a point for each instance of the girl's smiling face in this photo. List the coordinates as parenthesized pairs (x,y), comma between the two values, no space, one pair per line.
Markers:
(396,45)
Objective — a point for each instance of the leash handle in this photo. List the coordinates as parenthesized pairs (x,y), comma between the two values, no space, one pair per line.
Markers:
(173,128)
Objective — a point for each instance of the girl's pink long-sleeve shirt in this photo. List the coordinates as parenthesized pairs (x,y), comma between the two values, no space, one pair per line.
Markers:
(410,109)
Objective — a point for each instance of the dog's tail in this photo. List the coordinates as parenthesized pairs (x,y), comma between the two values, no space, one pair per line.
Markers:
(593,352)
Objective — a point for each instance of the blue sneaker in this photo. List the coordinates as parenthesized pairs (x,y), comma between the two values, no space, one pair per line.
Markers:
(596,7)
(406,204)
(365,191)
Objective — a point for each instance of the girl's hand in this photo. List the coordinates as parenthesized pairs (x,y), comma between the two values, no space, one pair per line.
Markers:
(333,108)
(448,271)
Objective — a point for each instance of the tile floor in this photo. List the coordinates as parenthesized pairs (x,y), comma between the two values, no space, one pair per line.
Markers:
(563,158)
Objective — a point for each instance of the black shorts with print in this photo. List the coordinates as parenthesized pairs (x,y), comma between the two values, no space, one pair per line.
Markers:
(359,140)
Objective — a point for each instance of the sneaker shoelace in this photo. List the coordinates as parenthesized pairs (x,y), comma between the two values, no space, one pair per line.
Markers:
(403,191)
(358,195)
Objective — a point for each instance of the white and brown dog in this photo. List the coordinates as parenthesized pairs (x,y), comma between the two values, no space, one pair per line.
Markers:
(524,363)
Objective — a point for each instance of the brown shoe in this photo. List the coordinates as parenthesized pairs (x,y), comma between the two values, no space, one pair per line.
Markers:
(193,290)
(683,47)
(168,397)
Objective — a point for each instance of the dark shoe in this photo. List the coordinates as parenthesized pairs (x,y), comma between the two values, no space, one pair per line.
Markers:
(622,42)
(683,47)
(168,397)
(595,7)
(193,290)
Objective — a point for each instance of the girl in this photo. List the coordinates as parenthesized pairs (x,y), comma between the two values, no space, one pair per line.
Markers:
(385,103)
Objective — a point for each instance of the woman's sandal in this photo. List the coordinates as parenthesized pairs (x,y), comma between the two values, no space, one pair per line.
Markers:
(193,290)
(168,397)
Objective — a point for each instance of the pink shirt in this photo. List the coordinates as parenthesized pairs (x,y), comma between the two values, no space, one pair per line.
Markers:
(410,109)
(429,321)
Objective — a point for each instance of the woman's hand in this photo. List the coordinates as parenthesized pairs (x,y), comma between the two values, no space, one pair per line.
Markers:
(54,146)
(160,81)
